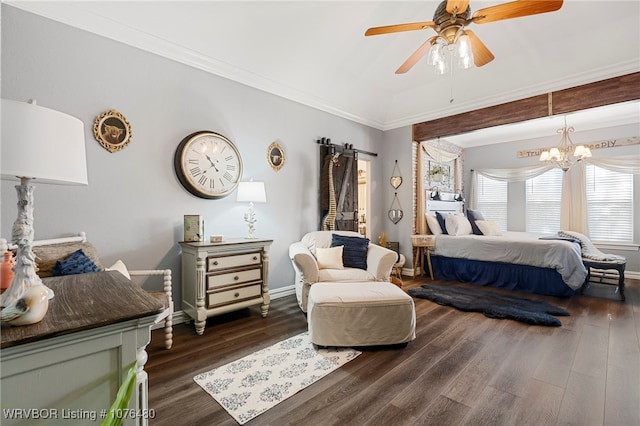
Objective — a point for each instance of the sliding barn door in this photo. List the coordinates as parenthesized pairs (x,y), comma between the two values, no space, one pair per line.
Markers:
(345,182)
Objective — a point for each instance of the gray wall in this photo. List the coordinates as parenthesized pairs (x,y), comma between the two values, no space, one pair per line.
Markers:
(397,146)
(133,207)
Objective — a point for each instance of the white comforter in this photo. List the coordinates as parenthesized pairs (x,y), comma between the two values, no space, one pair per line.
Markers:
(523,248)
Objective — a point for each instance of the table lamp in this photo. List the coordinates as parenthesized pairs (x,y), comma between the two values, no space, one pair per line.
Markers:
(253,192)
(45,146)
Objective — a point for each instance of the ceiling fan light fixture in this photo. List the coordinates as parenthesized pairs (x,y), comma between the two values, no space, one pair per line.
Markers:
(465,54)
(435,54)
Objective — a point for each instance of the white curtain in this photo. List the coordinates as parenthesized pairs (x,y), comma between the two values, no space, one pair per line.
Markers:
(439,155)
(517,174)
(573,204)
(573,212)
(620,164)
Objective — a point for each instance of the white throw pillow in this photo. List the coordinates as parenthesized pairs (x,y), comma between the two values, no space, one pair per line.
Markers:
(433,224)
(330,257)
(457,225)
(488,227)
(120,267)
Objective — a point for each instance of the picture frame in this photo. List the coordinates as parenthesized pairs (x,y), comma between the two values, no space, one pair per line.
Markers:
(193,228)
(112,130)
(275,156)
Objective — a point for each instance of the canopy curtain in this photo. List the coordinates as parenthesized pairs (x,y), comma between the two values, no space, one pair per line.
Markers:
(426,152)
(518,174)
(620,164)
(573,208)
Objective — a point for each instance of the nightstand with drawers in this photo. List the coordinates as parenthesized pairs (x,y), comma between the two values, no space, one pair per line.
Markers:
(223,277)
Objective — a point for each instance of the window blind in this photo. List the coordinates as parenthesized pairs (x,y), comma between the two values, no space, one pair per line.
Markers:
(493,200)
(609,204)
(543,194)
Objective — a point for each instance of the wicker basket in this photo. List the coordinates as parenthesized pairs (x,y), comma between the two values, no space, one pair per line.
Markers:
(422,239)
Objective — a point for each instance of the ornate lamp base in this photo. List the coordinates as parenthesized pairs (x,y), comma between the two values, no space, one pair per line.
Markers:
(250,218)
(22,235)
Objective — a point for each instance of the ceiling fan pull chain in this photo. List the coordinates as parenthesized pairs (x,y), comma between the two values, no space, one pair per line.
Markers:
(451,79)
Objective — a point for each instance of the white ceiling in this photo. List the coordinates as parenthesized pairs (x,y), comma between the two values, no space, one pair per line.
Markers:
(315,52)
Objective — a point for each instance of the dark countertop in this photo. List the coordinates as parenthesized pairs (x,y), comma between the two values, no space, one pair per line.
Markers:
(83,302)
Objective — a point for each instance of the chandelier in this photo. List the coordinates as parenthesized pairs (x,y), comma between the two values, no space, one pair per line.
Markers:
(559,156)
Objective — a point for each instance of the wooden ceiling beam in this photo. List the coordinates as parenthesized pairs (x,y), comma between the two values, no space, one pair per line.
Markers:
(605,92)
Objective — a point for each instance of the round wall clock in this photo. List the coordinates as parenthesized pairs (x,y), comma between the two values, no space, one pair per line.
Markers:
(208,165)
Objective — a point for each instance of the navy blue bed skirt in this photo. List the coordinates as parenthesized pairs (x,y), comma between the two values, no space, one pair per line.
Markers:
(503,275)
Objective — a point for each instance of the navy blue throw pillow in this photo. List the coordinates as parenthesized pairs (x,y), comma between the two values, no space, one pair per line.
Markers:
(474,215)
(440,217)
(354,253)
(76,263)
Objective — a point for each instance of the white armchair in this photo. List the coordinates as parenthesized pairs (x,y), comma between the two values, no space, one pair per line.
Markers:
(380,261)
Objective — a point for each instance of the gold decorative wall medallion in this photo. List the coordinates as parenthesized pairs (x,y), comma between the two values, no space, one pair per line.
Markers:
(275,156)
(112,130)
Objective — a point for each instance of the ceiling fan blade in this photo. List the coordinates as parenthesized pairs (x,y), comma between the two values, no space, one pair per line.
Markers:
(399,28)
(515,9)
(460,4)
(415,57)
(481,54)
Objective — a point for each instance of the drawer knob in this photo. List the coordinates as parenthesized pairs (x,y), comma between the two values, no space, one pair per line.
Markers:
(236,295)
(215,263)
(255,257)
(236,278)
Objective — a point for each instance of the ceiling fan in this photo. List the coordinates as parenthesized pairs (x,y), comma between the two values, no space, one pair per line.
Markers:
(449,22)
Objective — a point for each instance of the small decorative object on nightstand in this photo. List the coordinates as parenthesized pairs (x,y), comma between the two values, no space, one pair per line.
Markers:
(422,244)
(193,227)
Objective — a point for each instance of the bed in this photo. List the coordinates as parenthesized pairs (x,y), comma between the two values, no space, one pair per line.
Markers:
(515,260)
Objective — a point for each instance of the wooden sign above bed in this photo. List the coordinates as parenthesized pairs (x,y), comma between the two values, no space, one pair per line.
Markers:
(608,143)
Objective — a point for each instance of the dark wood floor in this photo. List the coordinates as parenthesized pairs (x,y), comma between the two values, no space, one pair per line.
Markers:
(463,368)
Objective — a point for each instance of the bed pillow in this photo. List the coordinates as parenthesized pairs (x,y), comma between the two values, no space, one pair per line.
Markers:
(457,225)
(474,215)
(330,257)
(354,254)
(433,224)
(488,227)
(441,221)
(76,263)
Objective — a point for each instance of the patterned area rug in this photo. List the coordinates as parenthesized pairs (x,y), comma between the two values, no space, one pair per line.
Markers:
(257,382)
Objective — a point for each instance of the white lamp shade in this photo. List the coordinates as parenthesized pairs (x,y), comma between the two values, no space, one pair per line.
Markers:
(252,192)
(582,151)
(43,144)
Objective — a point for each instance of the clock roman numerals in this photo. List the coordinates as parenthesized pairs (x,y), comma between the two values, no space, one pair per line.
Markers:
(208,165)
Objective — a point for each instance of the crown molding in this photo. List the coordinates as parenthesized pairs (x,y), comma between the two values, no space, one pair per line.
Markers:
(67,13)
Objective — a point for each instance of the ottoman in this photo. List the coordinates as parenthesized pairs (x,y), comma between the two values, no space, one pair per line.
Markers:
(360,314)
